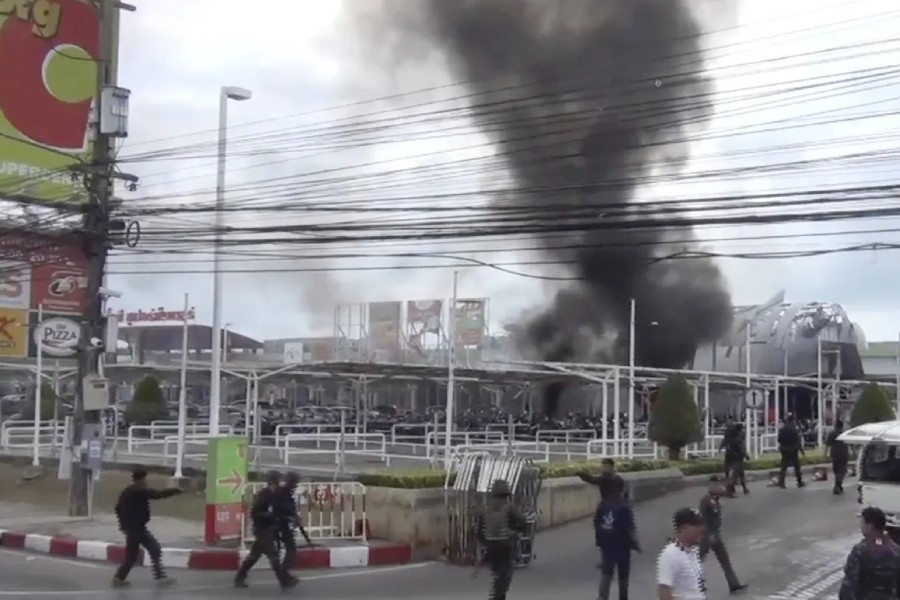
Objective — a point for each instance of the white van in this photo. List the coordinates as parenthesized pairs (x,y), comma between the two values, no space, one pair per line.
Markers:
(878,466)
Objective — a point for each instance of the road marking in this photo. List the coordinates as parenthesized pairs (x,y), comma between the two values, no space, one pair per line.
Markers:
(206,588)
(374,571)
(28,556)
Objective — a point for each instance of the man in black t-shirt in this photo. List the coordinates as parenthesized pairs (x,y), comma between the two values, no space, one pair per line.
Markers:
(840,457)
(610,483)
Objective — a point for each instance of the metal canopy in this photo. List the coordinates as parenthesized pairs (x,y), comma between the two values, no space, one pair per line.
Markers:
(497,373)
(886,432)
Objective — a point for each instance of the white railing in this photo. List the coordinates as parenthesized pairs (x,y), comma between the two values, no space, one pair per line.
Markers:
(328,511)
(19,434)
(462,438)
(565,436)
(200,443)
(703,449)
(286,429)
(397,437)
(156,433)
(619,448)
(537,451)
(357,444)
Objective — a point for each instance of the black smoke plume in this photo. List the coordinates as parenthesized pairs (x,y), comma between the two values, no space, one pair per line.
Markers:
(588,100)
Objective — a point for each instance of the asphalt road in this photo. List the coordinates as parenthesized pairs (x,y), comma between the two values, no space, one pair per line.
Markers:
(786,544)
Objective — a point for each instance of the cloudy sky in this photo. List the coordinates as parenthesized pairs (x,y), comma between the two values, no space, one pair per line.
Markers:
(807,100)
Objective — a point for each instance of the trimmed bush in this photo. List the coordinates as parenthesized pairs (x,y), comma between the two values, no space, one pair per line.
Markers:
(414,479)
(873,406)
(766,462)
(674,418)
(48,400)
(148,404)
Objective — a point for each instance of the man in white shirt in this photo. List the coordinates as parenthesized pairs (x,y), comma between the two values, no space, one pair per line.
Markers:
(679,571)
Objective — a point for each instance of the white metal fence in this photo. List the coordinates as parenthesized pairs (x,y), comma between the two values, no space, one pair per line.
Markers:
(328,511)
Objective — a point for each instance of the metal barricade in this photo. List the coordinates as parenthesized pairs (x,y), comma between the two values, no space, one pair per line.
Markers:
(465,500)
(328,511)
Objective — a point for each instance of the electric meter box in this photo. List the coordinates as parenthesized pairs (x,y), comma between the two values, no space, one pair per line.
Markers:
(96,392)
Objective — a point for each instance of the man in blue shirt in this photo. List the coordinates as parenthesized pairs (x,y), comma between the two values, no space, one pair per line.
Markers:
(616,536)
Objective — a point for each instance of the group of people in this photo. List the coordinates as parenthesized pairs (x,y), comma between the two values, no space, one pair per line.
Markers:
(274,517)
(615,534)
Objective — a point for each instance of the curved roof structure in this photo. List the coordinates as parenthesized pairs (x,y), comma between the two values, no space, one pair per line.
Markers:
(784,338)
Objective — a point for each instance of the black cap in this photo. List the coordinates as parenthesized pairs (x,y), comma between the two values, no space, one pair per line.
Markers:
(139,474)
(273,477)
(686,517)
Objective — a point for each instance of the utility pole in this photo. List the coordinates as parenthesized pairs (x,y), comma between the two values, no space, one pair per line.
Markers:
(96,229)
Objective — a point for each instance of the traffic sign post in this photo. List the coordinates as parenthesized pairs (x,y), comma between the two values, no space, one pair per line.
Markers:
(226,475)
(756,399)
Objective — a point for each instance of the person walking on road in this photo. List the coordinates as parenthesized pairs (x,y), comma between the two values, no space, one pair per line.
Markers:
(264,515)
(790,445)
(679,570)
(711,510)
(616,536)
(735,455)
(497,530)
(133,513)
(289,520)
(840,457)
(873,565)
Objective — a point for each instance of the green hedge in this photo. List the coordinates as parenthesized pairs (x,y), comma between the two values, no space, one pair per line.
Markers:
(413,479)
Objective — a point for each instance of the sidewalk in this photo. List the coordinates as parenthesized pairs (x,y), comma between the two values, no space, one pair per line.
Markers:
(98,539)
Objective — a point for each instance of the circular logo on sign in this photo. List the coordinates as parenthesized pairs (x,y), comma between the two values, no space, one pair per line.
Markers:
(58,336)
(63,283)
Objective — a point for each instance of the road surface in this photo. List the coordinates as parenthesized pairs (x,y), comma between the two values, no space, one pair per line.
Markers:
(786,544)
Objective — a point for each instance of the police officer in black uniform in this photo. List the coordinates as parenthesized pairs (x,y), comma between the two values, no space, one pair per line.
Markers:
(497,530)
(840,457)
(264,515)
(133,514)
(735,455)
(711,510)
(288,520)
(790,445)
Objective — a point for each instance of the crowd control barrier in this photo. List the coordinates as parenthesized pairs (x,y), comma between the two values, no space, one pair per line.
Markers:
(328,511)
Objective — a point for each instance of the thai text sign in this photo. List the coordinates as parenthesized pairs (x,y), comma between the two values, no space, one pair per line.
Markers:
(48,80)
(384,325)
(154,315)
(470,321)
(226,475)
(42,270)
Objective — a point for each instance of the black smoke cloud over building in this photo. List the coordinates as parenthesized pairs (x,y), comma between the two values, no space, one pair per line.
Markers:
(588,100)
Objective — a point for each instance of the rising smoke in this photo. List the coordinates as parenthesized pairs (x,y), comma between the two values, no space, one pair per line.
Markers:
(587,100)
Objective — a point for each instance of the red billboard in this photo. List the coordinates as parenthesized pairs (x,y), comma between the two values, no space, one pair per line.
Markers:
(56,267)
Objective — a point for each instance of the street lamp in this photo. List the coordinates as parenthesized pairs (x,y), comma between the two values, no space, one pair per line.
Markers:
(238,94)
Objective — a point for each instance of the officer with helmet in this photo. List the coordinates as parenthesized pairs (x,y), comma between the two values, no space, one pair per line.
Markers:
(288,520)
(264,516)
(498,527)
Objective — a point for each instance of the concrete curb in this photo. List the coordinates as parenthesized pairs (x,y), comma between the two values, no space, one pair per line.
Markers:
(185,558)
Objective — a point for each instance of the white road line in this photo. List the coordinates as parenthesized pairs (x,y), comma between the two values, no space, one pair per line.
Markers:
(28,556)
(206,588)
(373,571)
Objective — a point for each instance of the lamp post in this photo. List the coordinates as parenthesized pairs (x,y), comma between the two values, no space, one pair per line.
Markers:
(451,380)
(238,94)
